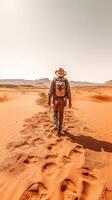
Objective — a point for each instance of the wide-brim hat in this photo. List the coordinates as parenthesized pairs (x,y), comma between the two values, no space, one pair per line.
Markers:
(60,71)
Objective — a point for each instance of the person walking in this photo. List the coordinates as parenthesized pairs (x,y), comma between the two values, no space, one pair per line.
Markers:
(59,92)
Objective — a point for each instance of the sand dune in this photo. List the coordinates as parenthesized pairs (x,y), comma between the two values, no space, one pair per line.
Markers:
(38,165)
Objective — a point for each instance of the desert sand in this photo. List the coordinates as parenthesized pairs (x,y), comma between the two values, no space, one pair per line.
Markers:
(36,164)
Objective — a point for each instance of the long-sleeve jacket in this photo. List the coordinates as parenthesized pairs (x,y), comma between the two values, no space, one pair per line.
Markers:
(52,90)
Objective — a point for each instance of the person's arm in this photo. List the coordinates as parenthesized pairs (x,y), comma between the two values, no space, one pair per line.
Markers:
(69,93)
(50,94)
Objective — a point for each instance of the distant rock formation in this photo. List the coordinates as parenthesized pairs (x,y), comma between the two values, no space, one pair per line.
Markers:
(80,83)
(108,83)
(16,81)
(41,83)
(45,82)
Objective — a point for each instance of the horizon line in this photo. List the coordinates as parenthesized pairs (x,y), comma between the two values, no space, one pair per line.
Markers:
(50,80)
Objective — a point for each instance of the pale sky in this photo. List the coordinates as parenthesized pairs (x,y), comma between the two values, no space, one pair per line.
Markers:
(38,36)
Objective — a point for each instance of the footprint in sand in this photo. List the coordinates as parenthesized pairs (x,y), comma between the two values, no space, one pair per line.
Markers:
(30,160)
(75,151)
(59,140)
(87,174)
(68,190)
(49,168)
(48,136)
(36,141)
(37,191)
(70,127)
(22,158)
(17,144)
(49,147)
(46,120)
(88,178)
(72,154)
(52,156)
(52,145)
(88,130)
(66,160)
(45,125)
(85,190)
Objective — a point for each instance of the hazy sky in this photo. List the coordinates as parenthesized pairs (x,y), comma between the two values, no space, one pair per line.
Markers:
(38,36)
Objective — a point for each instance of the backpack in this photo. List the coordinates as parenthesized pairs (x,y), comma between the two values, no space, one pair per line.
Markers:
(60,87)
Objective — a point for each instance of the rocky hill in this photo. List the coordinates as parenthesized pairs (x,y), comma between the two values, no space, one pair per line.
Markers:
(45,82)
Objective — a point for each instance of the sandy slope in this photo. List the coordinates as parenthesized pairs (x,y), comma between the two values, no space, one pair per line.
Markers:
(15,106)
(76,166)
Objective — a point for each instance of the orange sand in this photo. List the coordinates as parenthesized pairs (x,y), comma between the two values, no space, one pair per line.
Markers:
(37,165)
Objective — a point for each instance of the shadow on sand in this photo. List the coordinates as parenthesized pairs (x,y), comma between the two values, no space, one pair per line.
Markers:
(89,143)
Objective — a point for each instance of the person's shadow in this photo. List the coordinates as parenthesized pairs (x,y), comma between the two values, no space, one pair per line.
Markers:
(89,143)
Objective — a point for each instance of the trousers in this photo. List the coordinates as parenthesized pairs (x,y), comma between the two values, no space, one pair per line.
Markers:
(58,108)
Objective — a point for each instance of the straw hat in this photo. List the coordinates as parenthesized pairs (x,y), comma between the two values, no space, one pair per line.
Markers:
(61,72)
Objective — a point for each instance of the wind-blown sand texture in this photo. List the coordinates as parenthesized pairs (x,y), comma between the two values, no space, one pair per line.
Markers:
(36,164)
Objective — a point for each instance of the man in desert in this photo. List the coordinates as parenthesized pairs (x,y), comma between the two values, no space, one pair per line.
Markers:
(60,91)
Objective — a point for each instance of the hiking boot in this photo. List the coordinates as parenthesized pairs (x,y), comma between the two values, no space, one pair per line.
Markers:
(55,128)
(59,132)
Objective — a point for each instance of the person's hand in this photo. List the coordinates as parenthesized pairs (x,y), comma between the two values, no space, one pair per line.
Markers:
(49,103)
(70,105)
